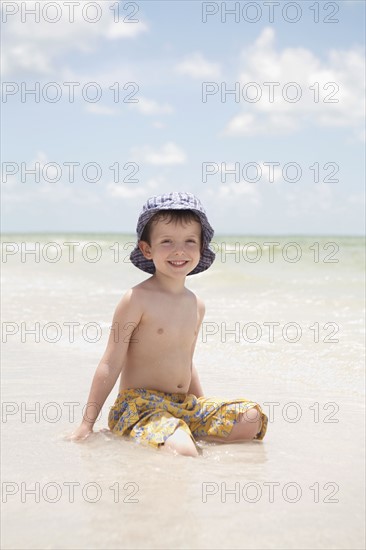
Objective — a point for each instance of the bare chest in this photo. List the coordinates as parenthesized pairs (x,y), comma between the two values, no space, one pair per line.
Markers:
(169,324)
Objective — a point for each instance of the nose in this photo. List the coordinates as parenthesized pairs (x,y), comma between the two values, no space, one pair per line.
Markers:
(179,249)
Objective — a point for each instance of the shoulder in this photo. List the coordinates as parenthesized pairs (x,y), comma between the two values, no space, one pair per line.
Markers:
(130,302)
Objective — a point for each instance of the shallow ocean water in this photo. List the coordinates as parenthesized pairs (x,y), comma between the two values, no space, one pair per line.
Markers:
(301,487)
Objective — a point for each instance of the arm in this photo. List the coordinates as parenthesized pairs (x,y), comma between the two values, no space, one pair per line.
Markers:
(110,366)
(195,385)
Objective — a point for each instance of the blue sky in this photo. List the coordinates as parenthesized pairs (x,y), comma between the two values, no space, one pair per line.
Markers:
(170,134)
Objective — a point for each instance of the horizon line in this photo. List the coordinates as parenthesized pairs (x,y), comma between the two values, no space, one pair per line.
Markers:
(3,233)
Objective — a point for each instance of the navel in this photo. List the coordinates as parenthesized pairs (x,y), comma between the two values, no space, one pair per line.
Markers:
(180,385)
(160,330)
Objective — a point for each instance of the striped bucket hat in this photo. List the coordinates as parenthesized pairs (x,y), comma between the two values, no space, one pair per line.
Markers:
(173,201)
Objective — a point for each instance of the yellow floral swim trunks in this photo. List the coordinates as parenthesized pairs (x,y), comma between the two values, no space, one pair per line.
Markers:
(151,416)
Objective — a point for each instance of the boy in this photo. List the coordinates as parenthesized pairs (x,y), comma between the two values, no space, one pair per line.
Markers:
(160,400)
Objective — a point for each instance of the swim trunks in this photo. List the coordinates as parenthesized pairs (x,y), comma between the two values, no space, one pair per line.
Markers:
(151,416)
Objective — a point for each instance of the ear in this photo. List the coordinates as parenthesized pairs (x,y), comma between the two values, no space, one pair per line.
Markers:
(145,249)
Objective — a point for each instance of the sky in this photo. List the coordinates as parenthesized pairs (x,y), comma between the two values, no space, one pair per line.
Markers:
(255,107)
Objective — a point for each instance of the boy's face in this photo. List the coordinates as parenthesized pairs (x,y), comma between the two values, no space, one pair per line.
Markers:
(175,247)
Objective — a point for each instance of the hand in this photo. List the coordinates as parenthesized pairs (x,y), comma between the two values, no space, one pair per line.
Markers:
(82,432)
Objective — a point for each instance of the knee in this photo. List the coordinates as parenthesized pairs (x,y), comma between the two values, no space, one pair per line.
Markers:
(188,451)
(252,415)
(180,448)
(180,443)
(253,418)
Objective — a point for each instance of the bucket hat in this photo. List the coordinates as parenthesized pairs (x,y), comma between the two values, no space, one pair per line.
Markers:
(173,201)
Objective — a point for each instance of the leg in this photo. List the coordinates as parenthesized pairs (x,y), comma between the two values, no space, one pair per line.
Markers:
(245,429)
(180,443)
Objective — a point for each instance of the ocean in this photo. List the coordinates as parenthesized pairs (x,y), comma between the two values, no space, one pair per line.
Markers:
(284,326)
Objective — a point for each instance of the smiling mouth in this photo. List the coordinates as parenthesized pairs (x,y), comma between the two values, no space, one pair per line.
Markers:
(178,263)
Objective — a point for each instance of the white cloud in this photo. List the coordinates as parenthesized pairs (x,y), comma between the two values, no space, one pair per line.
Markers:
(249,124)
(125,30)
(123,192)
(196,66)
(270,173)
(169,154)
(107,79)
(38,47)
(234,190)
(23,57)
(151,107)
(330,93)
(253,172)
